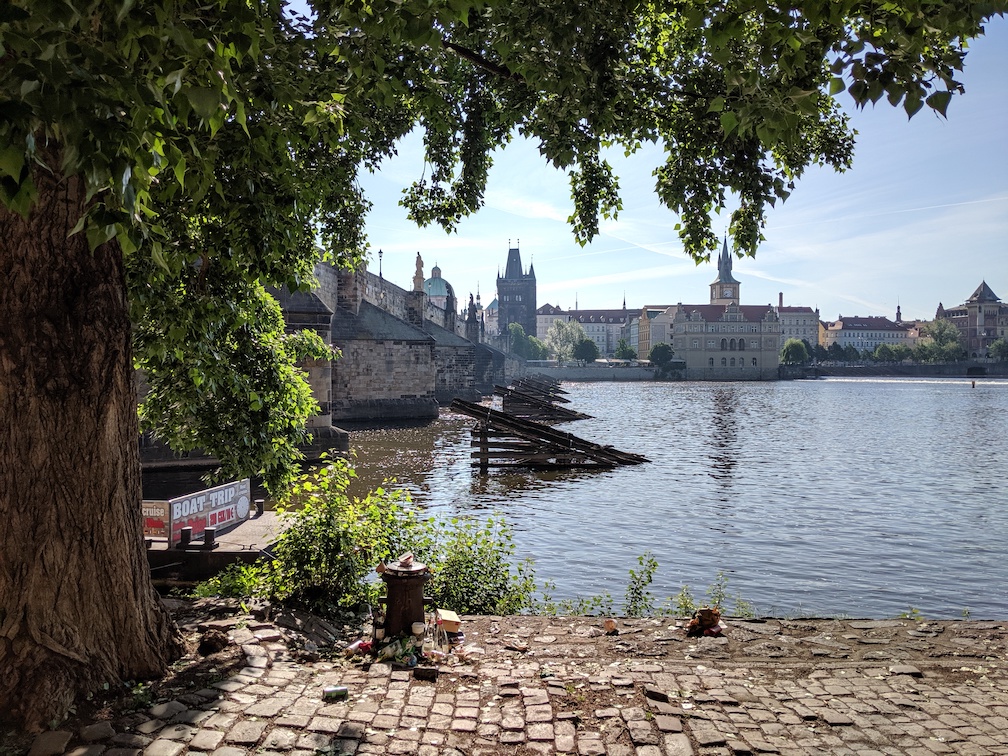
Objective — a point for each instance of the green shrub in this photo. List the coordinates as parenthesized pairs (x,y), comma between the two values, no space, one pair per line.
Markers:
(638,601)
(326,557)
(473,565)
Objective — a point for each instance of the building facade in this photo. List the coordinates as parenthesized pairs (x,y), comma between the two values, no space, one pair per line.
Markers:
(516,295)
(725,340)
(798,323)
(545,317)
(604,327)
(866,333)
(981,320)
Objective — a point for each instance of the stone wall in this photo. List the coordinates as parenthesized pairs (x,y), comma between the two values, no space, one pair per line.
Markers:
(384,379)
(592,373)
(454,375)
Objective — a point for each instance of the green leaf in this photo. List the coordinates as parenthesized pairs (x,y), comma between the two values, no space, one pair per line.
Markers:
(179,169)
(205,101)
(12,161)
(125,8)
(939,101)
(836,86)
(729,122)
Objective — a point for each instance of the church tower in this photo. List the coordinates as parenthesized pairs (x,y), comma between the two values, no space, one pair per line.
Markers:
(516,295)
(725,289)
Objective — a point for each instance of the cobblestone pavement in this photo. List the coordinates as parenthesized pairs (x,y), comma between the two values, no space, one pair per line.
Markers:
(554,685)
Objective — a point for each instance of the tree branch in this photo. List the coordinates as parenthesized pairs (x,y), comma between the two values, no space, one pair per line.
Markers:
(478,60)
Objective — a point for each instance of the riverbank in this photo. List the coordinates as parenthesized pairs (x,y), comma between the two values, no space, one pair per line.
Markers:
(544,685)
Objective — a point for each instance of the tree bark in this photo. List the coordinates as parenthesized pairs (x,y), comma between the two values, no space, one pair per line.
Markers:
(77,608)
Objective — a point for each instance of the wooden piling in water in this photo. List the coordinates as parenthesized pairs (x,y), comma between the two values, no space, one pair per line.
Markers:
(503,440)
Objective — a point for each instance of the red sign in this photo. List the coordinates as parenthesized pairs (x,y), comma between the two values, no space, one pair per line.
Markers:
(221,507)
(155,518)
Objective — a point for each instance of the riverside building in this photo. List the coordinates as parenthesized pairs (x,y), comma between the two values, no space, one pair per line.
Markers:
(719,341)
(981,320)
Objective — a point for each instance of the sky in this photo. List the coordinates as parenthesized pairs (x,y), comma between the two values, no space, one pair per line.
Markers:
(920,218)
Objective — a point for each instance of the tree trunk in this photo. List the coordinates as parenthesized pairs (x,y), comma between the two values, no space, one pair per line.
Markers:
(77,608)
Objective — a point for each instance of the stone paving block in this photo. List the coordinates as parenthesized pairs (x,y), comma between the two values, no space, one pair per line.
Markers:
(836,718)
(677,744)
(150,726)
(206,740)
(642,733)
(539,713)
(666,723)
(314,741)
(182,732)
(268,707)
(50,743)
(513,723)
(588,747)
(228,751)
(97,731)
(246,732)
(385,721)
(540,731)
(351,730)
(164,747)
(128,740)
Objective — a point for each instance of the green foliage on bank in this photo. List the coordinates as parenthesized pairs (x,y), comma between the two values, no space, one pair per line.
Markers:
(325,560)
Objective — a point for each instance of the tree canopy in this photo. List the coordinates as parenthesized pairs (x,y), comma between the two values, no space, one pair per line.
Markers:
(624,351)
(162,165)
(525,346)
(585,351)
(661,354)
(794,352)
(563,336)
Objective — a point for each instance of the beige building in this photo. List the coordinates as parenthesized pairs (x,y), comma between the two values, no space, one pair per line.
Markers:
(725,340)
(545,316)
(866,333)
(798,323)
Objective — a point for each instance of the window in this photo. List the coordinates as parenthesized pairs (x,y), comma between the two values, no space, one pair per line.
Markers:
(724,361)
(733,362)
(724,344)
(711,362)
(754,362)
(741,345)
(731,345)
(696,343)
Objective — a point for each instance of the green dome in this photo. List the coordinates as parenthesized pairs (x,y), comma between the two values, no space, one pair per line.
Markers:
(435,286)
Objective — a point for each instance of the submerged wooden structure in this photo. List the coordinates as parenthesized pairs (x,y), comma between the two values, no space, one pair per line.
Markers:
(503,440)
(529,401)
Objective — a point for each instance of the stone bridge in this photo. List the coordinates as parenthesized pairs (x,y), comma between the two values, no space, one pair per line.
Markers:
(402,355)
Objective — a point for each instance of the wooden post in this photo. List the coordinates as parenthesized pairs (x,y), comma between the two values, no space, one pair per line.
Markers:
(484,449)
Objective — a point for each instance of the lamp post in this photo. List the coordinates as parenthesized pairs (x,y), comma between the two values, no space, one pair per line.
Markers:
(379,263)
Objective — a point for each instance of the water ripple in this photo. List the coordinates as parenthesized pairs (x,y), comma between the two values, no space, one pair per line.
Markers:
(855,497)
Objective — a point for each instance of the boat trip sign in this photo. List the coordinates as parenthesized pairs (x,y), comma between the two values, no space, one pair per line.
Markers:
(221,507)
(155,518)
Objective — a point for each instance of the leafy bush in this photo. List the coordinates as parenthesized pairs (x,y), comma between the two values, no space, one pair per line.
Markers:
(473,565)
(326,558)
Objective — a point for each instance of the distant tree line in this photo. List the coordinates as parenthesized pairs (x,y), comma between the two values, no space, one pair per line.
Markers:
(940,342)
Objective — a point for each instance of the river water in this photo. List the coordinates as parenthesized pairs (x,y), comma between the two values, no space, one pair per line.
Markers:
(859,497)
